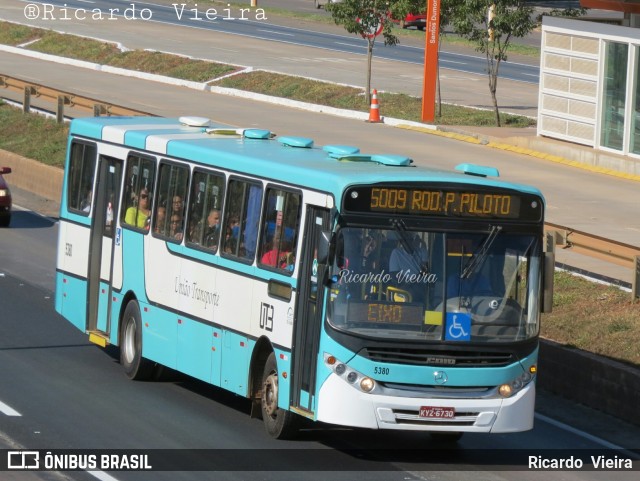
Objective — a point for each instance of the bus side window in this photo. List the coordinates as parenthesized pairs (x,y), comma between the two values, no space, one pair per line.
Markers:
(242,216)
(82,167)
(279,236)
(138,192)
(205,210)
(172,186)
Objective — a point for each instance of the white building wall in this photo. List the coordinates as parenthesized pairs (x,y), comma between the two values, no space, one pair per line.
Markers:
(569,68)
(571,77)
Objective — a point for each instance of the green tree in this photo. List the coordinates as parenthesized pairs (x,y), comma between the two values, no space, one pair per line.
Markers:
(367,17)
(491,25)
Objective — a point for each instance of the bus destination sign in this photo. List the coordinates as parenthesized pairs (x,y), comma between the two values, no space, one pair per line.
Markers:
(385,313)
(443,202)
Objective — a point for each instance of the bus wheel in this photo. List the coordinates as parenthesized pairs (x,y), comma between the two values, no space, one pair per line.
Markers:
(135,366)
(279,423)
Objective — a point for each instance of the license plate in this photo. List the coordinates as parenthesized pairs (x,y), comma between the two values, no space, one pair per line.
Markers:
(437,412)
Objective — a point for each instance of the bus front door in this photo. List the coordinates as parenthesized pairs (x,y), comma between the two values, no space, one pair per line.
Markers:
(101,244)
(308,318)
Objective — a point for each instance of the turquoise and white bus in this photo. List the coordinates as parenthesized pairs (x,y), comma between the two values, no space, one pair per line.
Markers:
(322,283)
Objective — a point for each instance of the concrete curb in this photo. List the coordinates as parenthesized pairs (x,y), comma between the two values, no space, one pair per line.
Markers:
(33,176)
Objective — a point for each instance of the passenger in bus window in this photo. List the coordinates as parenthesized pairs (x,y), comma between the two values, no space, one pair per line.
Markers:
(291,261)
(86,203)
(212,231)
(177,206)
(234,226)
(276,257)
(175,227)
(207,230)
(410,261)
(138,214)
(369,254)
(161,216)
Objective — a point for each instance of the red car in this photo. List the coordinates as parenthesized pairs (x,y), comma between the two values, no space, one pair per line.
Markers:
(412,20)
(415,20)
(5,198)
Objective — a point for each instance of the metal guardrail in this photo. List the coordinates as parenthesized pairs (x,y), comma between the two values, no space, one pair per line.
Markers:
(580,242)
(597,247)
(62,99)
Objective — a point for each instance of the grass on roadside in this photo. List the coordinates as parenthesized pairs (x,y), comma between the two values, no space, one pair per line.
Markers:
(594,317)
(33,136)
(393,105)
(90,50)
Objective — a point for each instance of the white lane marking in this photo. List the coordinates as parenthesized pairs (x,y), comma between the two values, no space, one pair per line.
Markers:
(578,432)
(275,33)
(8,410)
(102,476)
(351,45)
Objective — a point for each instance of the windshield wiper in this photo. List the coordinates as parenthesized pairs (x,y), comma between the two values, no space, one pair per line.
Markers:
(407,243)
(478,258)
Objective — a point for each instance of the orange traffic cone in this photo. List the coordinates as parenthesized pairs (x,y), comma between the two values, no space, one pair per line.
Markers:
(374,112)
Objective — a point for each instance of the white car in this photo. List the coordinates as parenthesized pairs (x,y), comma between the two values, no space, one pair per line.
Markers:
(322,3)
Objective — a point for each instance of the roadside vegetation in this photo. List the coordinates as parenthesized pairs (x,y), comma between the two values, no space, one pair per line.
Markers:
(297,88)
(32,136)
(594,317)
(399,106)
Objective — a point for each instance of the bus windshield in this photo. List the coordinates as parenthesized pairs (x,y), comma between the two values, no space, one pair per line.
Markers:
(435,286)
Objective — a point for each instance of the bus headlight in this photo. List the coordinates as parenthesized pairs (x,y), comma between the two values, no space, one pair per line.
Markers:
(351,376)
(367,384)
(509,389)
(506,390)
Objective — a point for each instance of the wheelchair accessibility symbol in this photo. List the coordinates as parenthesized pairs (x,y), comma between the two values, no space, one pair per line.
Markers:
(458,327)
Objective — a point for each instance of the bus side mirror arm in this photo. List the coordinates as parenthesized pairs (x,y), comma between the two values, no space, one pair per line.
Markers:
(324,242)
(549,268)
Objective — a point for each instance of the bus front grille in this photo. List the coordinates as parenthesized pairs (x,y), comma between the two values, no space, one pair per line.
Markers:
(428,357)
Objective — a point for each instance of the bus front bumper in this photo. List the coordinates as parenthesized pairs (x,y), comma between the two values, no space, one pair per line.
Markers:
(340,403)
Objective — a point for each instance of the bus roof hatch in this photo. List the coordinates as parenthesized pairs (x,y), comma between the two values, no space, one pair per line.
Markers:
(301,142)
(384,159)
(336,151)
(193,121)
(478,170)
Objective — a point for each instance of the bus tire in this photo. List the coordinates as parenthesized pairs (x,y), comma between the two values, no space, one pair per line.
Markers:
(280,424)
(135,366)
